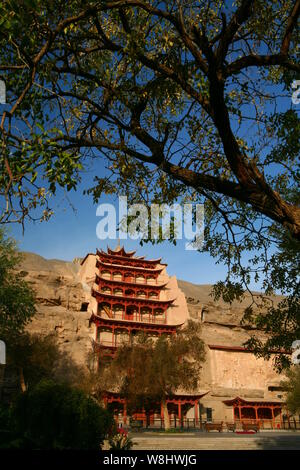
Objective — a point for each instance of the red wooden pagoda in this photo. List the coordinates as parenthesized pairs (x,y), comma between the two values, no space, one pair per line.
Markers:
(131,298)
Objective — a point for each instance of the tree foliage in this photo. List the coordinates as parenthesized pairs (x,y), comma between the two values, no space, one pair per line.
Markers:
(292,387)
(55,416)
(36,357)
(16,296)
(147,371)
(179,102)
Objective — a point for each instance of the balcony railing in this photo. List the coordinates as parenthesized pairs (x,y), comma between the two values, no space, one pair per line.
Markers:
(135,318)
(131,294)
(134,281)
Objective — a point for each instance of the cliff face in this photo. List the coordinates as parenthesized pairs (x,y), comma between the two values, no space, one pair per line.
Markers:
(230,371)
(64,307)
(221,322)
(61,304)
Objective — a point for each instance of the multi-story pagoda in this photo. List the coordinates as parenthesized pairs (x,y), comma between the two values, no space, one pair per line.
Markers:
(130,298)
(132,294)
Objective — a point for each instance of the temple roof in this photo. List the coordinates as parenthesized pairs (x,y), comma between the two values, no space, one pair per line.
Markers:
(244,349)
(187,397)
(120,250)
(242,401)
(139,325)
(136,268)
(121,298)
(119,255)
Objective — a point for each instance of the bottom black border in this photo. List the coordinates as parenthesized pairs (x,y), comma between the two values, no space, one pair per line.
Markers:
(140,459)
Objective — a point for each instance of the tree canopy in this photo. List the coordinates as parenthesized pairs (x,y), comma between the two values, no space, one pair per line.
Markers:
(16,296)
(179,102)
(36,357)
(147,371)
(292,386)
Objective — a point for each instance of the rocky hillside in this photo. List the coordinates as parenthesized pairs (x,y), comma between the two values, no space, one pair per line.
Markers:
(221,322)
(62,303)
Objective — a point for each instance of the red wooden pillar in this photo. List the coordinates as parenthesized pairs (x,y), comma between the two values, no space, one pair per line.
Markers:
(280,418)
(273,417)
(256,413)
(179,411)
(196,412)
(161,411)
(240,412)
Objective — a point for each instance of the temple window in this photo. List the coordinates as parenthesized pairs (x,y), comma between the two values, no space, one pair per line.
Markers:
(117,276)
(129,293)
(118,292)
(105,290)
(209,414)
(128,278)
(153,295)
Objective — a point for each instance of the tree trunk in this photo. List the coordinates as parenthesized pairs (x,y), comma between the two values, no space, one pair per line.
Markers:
(166,415)
(22,380)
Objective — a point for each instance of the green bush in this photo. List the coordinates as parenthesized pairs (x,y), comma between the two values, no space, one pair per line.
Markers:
(4,417)
(120,441)
(54,416)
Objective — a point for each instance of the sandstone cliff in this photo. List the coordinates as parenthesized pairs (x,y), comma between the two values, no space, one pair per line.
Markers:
(62,302)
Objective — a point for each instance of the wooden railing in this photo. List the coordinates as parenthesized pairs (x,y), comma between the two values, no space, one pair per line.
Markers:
(217,425)
(137,318)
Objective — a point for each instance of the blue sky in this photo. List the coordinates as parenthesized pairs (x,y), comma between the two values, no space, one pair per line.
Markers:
(72,233)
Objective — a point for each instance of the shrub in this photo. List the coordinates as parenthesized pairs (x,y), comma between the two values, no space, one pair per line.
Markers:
(4,417)
(55,416)
(120,441)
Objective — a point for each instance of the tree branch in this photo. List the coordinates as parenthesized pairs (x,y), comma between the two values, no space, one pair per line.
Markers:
(260,60)
(292,21)
(239,17)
